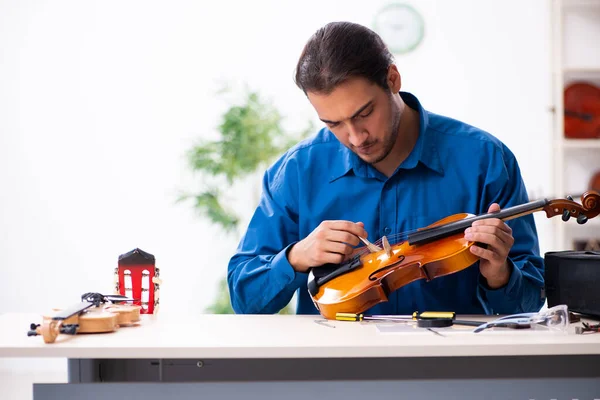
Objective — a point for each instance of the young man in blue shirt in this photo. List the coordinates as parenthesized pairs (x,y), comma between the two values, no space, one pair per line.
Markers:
(383,165)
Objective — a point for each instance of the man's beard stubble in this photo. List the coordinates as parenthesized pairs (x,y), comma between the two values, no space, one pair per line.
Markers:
(391,135)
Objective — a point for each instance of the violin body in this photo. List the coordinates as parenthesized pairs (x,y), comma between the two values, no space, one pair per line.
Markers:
(433,251)
(127,314)
(582,111)
(381,274)
(92,321)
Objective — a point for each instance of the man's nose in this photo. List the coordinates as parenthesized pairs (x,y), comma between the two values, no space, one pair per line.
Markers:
(356,134)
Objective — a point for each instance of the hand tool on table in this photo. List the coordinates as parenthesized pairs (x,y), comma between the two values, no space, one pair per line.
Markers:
(426,319)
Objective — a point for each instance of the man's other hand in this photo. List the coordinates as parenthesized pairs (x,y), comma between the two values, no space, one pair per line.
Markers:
(497,235)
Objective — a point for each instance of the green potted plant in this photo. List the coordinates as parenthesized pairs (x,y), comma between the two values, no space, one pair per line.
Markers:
(251,137)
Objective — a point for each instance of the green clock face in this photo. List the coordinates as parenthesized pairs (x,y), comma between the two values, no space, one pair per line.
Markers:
(400,26)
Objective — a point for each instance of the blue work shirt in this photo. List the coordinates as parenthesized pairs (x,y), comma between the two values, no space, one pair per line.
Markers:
(453,168)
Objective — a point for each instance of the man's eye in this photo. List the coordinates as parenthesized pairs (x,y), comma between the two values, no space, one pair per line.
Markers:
(366,114)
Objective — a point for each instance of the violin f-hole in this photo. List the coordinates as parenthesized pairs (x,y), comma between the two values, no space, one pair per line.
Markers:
(372,276)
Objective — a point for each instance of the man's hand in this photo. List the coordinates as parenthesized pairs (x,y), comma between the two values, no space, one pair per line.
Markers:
(494,233)
(330,242)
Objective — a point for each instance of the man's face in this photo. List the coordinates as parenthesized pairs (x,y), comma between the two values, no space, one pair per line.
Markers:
(363,117)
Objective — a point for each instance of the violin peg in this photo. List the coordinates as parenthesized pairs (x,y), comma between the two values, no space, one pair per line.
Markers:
(566,215)
(582,219)
(156,280)
(386,246)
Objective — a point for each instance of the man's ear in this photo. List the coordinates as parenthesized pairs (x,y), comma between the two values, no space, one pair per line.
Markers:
(394,80)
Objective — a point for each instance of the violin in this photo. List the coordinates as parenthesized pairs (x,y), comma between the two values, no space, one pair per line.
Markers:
(92,315)
(582,111)
(436,250)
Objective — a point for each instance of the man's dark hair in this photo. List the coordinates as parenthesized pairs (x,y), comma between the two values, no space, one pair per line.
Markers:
(341,50)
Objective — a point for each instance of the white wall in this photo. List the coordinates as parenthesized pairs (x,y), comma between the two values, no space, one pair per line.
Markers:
(100,100)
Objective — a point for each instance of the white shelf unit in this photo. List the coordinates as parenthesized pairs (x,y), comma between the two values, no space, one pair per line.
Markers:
(576,57)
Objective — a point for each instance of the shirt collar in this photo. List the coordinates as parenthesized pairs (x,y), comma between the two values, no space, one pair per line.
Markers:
(425,149)
(348,161)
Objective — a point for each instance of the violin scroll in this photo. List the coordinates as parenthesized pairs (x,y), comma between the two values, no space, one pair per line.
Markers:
(567,208)
(49,329)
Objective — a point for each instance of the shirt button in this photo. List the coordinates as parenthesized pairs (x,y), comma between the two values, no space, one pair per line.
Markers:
(387,230)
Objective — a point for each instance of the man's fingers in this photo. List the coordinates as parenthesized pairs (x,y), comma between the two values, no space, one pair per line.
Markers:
(498,223)
(337,247)
(494,207)
(342,237)
(348,226)
(334,241)
(486,254)
(487,229)
(487,238)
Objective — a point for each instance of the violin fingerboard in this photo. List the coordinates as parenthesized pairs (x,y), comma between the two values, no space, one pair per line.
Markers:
(69,312)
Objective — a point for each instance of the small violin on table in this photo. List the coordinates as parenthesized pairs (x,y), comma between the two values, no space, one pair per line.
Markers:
(96,313)
(437,250)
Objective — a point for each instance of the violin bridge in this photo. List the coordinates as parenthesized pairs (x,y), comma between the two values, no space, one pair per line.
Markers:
(386,246)
(372,247)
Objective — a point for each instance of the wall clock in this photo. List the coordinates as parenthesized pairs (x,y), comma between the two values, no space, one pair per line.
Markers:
(400,26)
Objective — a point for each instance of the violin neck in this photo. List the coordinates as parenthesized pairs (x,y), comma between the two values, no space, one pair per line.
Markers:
(69,312)
(439,232)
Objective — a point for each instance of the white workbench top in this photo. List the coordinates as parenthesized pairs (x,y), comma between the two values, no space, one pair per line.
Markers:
(284,336)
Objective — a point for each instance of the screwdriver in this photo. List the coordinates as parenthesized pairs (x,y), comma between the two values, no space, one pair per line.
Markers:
(415,316)
(426,319)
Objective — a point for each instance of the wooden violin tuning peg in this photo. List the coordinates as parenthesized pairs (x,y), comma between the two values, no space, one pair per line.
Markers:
(386,246)
(372,247)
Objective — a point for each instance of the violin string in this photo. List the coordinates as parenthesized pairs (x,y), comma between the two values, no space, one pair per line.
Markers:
(392,240)
(396,237)
(402,236)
